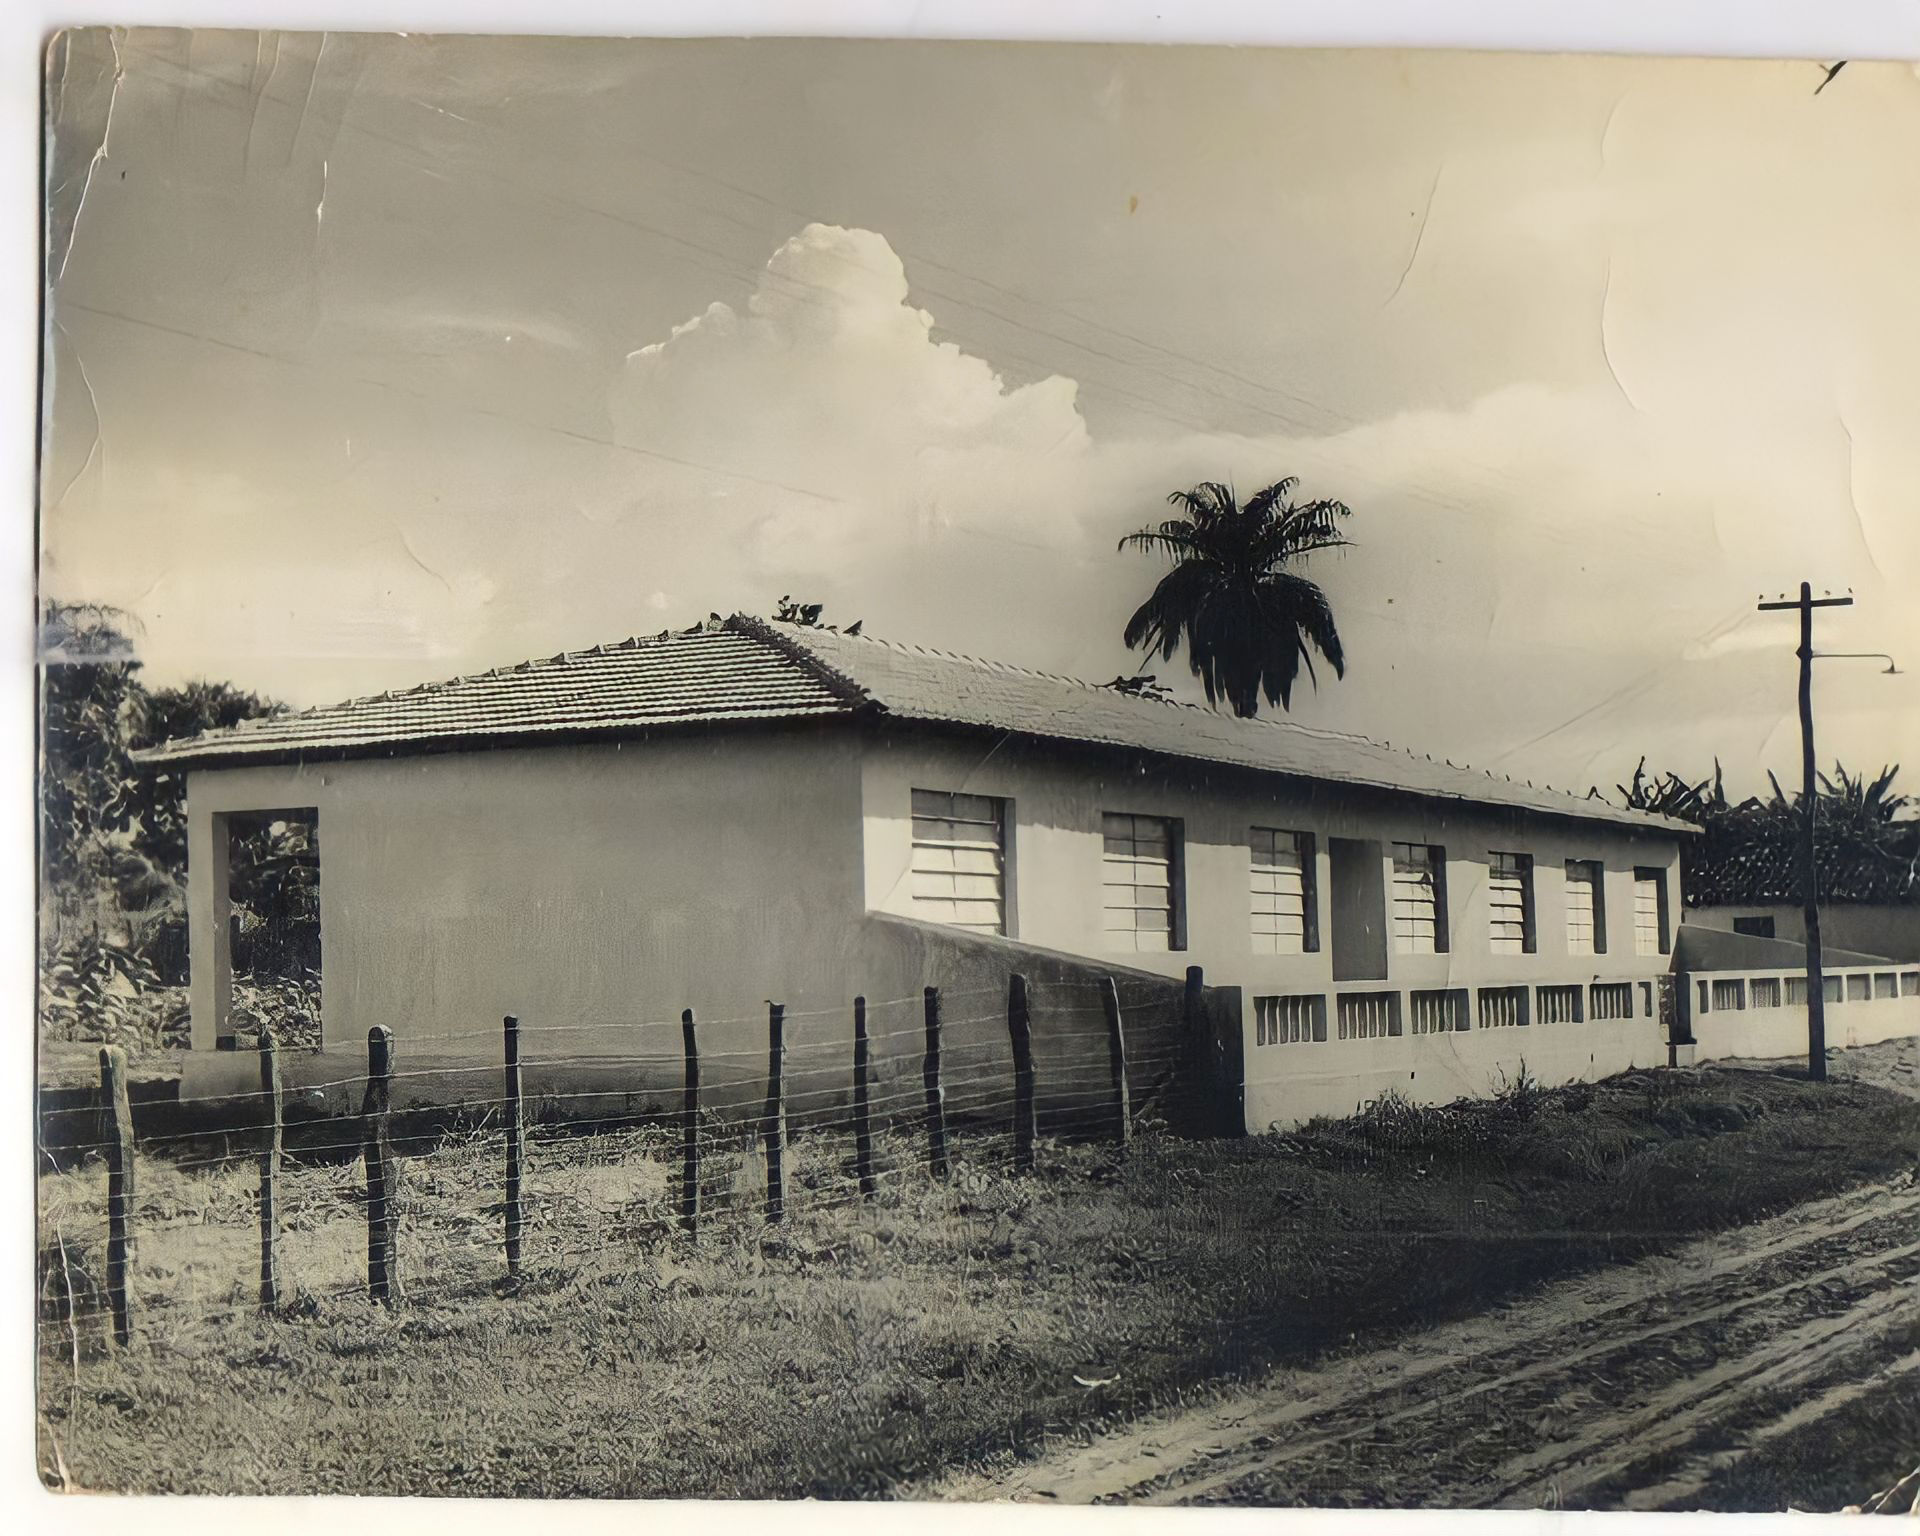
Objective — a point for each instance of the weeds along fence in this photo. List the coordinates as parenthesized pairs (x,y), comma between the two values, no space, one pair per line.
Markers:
(881,1104)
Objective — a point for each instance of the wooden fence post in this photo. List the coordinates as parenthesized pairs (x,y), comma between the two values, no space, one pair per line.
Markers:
(119,1139)
(1020,1031)
(1197,1090)
(774,1122)
(1117,1063)
(690,1128)
(862,1128)
(936,1091)
(377,1148)
(270,1172)
(516,1148)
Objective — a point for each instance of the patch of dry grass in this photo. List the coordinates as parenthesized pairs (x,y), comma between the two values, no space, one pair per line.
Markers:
(862,1346)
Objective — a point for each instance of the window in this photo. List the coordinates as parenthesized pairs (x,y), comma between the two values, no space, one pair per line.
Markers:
(1285,915)
(1859,988)
(1289,1020)
(1646,999)
(1650,912)
(1764,992)
(1728,995)
(1503,1007)
(959,860)
(1368,1015)
(1510,903)
(1560,1005)
(1419,899)
(1830,989)
(1796,991)
(1910,983)
(1439,1012)
(1586,908)
(1754,927)
(1885,984)
(1612,1000)
(1142,878)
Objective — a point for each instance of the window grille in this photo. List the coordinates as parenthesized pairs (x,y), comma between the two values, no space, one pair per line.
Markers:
(1439,1012)
(1586,908)
(1295,1020)
(1560,1005)
(1503,1007)
(959,860)
(1649,912)
(1140,892)
(1282,893)
(1419,908)
(1612,1000)
(1510,903)
(1368,1015)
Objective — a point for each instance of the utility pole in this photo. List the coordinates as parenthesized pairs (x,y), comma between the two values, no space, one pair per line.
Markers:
(1810,869)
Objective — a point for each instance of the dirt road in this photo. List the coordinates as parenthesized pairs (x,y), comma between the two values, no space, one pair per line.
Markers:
(1622,1389)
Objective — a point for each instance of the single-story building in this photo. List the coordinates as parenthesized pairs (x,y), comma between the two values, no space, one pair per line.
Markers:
(752,810)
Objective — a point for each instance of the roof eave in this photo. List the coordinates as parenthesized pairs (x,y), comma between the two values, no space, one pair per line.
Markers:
(225,753)
(1612,815)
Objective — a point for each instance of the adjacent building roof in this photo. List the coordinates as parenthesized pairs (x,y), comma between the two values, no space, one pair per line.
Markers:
(750,669)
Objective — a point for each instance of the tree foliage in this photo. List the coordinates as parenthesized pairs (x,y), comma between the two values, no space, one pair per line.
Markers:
(113,834)
(1248,620)
(1866,844)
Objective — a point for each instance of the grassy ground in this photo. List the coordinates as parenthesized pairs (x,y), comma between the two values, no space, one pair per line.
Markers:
(868,1344)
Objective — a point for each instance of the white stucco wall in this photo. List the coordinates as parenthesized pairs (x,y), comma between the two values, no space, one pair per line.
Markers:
(588,889)
(1743,1027)
(1057,798)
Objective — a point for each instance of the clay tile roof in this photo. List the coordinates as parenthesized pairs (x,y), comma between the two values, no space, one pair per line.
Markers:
(748,669)
(676,679)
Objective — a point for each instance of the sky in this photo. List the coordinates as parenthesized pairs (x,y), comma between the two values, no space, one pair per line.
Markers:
(377,359)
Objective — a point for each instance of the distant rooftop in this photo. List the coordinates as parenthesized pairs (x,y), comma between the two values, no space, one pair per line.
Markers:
(746,669)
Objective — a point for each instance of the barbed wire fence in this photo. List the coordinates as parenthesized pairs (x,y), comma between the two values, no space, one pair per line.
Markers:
(885,1102)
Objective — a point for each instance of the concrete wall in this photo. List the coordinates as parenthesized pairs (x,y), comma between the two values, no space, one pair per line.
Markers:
(1741,1026)
(1869,930)
(592,890)
(1058,795)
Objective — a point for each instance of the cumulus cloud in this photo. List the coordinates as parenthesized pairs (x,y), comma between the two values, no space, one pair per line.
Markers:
(1547,577)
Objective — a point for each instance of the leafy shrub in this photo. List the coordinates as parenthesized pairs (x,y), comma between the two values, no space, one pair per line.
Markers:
(288,1005)
(97,989)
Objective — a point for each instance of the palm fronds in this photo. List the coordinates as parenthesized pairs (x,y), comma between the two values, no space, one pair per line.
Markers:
(1248,622)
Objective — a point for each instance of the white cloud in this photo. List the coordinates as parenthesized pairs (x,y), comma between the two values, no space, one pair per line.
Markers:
(1548,578)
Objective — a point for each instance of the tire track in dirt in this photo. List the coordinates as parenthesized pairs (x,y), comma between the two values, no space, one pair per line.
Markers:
(1560,1377)
(1674,1416)
(1547,1344)
(1680,1484)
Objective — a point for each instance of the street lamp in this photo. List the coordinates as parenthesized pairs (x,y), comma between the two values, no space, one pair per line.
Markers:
(1809,798)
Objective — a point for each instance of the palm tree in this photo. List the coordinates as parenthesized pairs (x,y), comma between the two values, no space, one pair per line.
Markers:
(1248,622)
